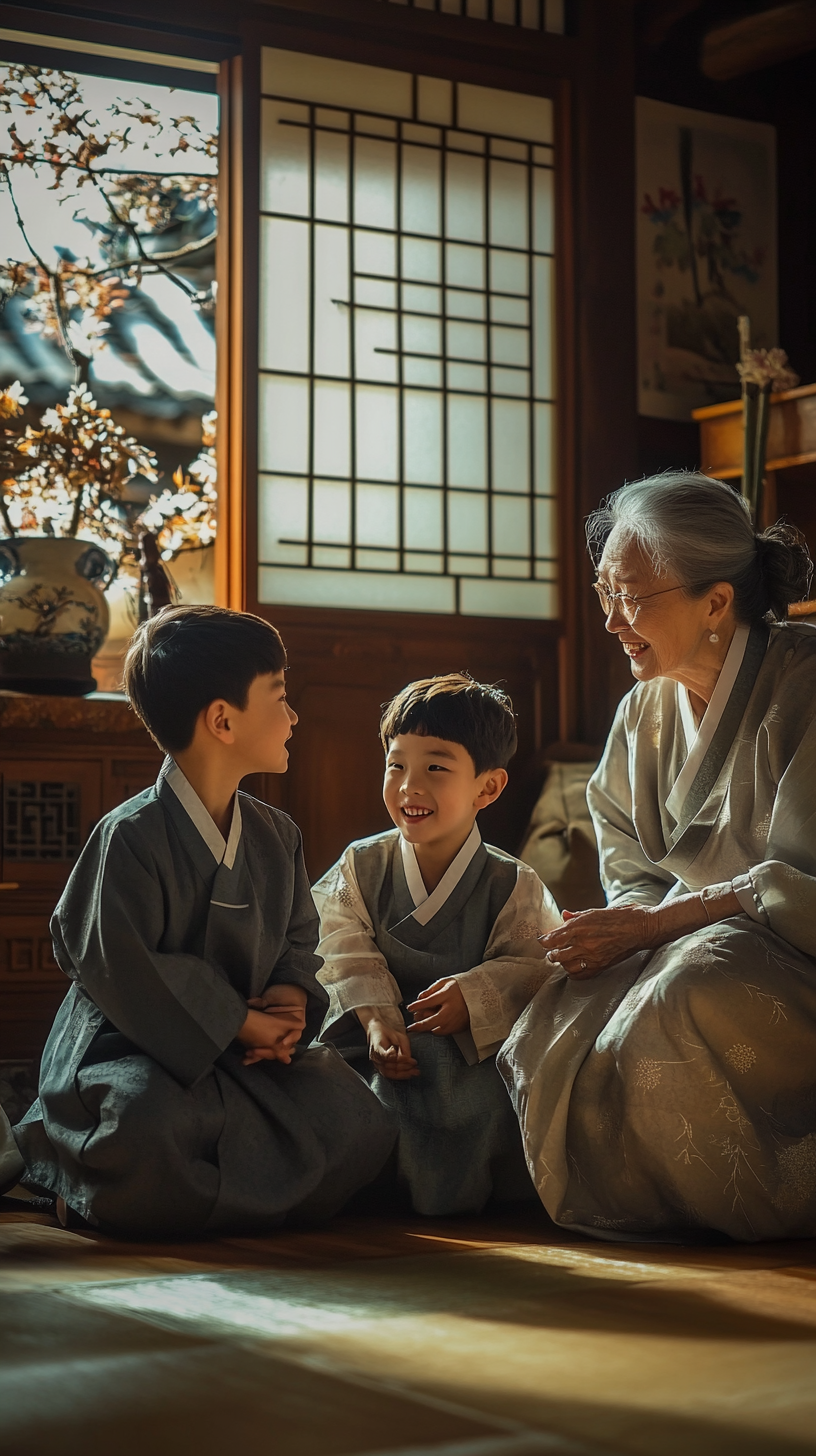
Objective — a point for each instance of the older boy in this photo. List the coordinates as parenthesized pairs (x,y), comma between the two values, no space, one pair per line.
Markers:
(429,917)
(174,1097)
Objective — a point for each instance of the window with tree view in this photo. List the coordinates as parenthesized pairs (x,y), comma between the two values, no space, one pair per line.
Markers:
(407,382)
(107,348)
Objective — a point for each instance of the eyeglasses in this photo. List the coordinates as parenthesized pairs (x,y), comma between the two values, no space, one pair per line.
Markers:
(627,605)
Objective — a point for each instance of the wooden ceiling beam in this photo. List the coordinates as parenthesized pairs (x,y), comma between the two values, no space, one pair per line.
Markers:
(758,41)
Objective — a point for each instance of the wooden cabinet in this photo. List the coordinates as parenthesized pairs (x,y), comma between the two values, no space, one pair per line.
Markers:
(790,471)
(64,762)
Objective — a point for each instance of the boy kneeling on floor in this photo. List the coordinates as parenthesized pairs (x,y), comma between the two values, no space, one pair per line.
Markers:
(427,916)
(178,1095)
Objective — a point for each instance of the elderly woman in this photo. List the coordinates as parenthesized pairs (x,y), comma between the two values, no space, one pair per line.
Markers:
(665,1076)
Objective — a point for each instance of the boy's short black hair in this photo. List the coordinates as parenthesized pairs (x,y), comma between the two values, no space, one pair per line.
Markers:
(181,660)
(476,715)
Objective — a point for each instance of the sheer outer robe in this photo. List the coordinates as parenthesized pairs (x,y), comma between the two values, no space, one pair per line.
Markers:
(458,1137)
(678,1089)
(147,1120)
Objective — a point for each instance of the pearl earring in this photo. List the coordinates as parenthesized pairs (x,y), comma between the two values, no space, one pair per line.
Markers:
(714,637)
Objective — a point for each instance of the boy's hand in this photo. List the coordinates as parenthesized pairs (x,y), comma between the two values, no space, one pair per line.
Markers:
(286,998)
(272,1035)
(390,1051)
(443,1009)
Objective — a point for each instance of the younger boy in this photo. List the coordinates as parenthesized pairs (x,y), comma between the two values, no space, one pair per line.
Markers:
(428,917)
(175,1095)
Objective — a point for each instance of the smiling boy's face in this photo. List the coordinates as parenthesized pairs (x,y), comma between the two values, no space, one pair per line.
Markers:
(431,789)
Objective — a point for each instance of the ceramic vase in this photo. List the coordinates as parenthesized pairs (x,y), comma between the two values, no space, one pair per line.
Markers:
(53,613)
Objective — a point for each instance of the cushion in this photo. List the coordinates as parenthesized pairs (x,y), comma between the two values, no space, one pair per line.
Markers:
(560,840)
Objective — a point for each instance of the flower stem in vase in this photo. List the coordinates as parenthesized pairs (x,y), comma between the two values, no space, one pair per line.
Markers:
(750,410)
(763,418)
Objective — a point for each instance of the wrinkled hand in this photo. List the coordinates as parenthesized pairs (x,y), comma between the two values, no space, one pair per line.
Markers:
(275,1024)
(390,1051)
(441,1009)
(591,940)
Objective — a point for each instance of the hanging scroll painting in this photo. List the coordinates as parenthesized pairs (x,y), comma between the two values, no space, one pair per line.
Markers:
(706,252)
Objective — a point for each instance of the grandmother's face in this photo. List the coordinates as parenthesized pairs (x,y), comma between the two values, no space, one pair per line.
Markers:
(664,633)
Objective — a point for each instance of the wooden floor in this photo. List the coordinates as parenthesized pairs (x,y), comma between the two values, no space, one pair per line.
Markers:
(404,1338)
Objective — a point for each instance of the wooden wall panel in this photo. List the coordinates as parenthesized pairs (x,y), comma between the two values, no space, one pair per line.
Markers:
(338,680)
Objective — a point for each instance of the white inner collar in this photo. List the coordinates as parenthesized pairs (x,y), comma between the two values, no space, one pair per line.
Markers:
(426,906)
(223,850)
(698,740)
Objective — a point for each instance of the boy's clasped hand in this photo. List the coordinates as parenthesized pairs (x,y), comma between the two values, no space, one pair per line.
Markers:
(274,1025)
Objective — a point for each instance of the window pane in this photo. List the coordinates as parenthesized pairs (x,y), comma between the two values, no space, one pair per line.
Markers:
(467,441)
(421,299)
(508,599)
(468,565)
(424,561)
(544,211)
(464,305)
(511,526)
(331,176)
(465,197)
(508,205)
(422,437)
(337,556)
(510,381)
(421,190)
(510,311)
(543,328)
(332,428)
(464,267)
(509,346)
(546,543)
(508,272)
(468,376)
(376,433)
(467,521)
(376,559)
(284,331)
(505,113)
(423,519)
(435,99)
(467,341)
(422,371)
(377,292)
(331,311)
(545,449)
(331,507)
(336,83)
(283,517)
(375,253)
(422,335)
(375,337)
(375,183)
(283,408)
(368,591)
(421,260)
(284,158)
(378,515)
(511,445)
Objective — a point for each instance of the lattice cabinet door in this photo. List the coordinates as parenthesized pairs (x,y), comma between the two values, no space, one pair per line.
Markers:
(48,811)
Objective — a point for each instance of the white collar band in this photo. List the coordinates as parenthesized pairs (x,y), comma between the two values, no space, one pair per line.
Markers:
(426,906)
(698,740)
(223,850)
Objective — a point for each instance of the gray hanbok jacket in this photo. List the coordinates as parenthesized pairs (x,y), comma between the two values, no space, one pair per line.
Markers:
(147,1121)
(677,1090)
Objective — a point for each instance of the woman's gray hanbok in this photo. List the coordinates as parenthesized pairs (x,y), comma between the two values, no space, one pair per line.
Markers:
(677,1090)
(148,1123)
(383,940)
